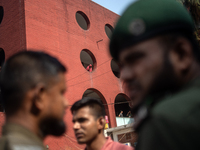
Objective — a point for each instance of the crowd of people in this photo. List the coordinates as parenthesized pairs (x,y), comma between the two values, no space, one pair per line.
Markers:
(159,57)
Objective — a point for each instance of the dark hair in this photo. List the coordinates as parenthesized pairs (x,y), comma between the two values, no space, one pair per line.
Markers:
(167,40)
(22,72)
(94,104)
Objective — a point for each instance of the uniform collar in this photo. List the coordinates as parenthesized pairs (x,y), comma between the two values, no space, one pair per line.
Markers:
(143,111)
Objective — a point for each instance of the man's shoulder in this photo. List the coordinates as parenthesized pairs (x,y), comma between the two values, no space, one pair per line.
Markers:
(123,146)
(179,106)
(18,141)
(172,121)
(116,145)
(22,139)
(3,143)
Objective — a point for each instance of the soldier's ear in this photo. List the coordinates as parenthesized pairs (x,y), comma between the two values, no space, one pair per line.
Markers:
(181,55)
(101,123)
(37,102)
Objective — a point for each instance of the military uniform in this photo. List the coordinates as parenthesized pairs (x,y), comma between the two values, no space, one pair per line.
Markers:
(16,137)
(173,123)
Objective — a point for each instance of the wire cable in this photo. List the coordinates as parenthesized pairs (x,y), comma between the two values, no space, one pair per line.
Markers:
(89,79)
(87,71)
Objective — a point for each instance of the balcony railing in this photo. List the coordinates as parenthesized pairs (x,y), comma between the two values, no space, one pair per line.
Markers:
(124,121)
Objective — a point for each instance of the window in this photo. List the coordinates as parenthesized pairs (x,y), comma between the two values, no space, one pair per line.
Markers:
(82,20)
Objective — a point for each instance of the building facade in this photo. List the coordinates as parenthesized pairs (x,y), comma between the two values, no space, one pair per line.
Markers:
(77,32)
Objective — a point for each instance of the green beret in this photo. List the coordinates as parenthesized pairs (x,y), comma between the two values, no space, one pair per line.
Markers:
(144,19)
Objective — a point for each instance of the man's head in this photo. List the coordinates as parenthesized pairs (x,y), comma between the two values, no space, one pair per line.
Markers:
(154,43)
(33,84)
(88,119)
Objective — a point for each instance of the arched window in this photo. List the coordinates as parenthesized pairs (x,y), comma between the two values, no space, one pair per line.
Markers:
(94,93)
(123,110)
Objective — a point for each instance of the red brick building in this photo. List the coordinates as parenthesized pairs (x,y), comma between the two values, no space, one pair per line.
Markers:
(76,32)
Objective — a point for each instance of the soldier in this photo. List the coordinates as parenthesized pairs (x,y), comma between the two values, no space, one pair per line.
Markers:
(33,87)
(160,66)
(89,122)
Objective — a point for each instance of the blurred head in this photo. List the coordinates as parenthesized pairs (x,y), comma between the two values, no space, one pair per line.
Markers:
(154,43)
(34,83)
(88,119)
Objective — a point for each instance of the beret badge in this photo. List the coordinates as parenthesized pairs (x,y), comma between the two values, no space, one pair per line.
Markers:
(137,27)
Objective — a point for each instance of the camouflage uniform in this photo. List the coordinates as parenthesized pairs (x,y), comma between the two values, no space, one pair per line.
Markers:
(16,137)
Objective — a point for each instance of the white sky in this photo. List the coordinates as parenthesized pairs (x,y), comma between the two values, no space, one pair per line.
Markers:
(117,6)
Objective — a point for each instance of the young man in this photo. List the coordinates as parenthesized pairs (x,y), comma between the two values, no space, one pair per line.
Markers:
(89,122)
(33,87)
(160,66)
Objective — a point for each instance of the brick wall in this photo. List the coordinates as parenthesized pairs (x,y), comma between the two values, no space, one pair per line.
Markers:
(51,26)
(12,27)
